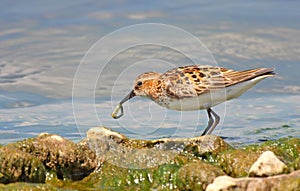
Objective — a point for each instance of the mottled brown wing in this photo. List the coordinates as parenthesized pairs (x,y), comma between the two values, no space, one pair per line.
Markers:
(189,81)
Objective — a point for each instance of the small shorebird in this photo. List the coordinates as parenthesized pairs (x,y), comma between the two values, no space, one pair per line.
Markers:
(194,88)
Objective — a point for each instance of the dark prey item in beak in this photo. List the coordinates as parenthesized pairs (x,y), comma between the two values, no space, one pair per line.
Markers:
(120,107)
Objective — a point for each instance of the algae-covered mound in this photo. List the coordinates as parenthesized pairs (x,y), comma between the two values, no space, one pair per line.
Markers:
(117,149)
(108,160)
(67,159)
(20,166)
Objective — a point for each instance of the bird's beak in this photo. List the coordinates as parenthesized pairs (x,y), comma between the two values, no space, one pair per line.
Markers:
(120,107)
(128,97)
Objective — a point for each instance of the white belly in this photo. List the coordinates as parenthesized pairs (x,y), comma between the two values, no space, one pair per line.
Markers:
(212,98)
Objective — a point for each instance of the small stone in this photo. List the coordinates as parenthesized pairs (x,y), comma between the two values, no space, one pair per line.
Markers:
(103,132)
(267,165)
(286,182)
(222,183)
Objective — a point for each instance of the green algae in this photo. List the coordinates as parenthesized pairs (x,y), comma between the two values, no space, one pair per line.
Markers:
(29,187)
(115,177)
(193,164)
(165,177)
(237,162)
(66,158)
(197,175)
(286,149)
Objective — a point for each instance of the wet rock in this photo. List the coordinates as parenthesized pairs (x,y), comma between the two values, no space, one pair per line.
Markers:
(267,165)
(286,182)
(117,149)
(20,166)
(121,163)
(191,176)
(197,175)
(66,158)
(206,145)
(237,163)
(165,156)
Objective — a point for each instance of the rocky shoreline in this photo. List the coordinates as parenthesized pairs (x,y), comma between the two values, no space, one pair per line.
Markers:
(108,160)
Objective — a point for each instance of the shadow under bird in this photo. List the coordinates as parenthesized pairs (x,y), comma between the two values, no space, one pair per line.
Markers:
(194,87)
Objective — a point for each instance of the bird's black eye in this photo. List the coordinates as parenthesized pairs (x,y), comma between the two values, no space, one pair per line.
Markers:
(139,83)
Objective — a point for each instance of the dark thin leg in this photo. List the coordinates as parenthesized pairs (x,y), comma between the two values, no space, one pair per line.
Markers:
(217,120)
(211,122)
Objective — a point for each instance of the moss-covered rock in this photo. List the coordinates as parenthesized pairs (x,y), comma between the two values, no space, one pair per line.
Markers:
(295,165)
(108,160)
(165,177)
(286,149)
(114,177)
(205,146)
(66,158)
(103,140)
(117,149)
(18,166)
(237,163)
(197,175)
(22,186)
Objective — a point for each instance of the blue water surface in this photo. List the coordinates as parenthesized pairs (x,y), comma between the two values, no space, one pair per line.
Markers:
(43,43)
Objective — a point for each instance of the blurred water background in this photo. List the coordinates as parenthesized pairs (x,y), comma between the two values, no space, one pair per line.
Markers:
(43,42)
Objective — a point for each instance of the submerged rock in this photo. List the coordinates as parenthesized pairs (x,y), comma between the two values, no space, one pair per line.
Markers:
(66,158)
(267,165)
(286,182)
(18,166)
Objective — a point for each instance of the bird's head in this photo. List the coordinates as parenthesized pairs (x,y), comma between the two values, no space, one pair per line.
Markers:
(143,86)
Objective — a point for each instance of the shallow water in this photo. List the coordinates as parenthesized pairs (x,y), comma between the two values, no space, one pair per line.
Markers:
(41,47)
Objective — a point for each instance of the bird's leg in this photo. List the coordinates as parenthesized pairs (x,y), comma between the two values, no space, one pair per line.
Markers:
(209,123)
(216,122)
